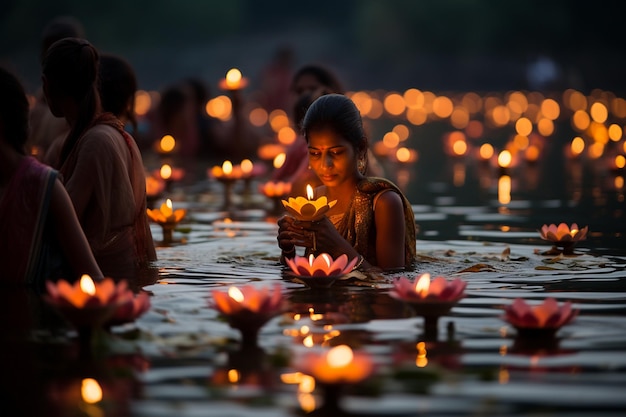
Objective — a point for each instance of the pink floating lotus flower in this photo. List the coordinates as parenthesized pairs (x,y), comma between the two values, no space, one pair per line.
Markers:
(563,235)
(429,299)
(308,209)
(248,308)
(132,306)
(547,315)
(322,265)
(423,289)
(86,303)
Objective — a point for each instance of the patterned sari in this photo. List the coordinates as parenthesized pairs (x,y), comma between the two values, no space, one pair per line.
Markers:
(358,225)
(24,250)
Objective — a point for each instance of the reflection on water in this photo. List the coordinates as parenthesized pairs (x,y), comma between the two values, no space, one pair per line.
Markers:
(182,358)
(476,221)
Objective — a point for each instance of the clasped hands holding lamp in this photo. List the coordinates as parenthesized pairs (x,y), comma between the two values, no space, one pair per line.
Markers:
(306,225)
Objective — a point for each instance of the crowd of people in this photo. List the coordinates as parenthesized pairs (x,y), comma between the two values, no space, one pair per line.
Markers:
(72,177)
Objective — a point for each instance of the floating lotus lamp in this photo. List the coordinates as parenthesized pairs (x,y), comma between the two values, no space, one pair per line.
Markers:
(155,185)
(336,368)
(276,190)
(86,304)
(542,320)
(563,236)
(248,308)
(131,307)
(321,271)
(308,209)
(167,218)
(429,299)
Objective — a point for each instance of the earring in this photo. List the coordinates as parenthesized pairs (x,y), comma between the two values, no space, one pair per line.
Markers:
(361,166)
(309,166)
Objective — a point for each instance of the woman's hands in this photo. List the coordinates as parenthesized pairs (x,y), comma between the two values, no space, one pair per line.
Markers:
(319,236)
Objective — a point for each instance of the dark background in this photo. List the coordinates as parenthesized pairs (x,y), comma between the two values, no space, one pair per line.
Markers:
(438,45)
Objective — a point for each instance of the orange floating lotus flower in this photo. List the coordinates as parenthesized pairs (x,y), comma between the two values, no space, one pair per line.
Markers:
(548,316)
(248,308)
(563,233)
(86,303)
(339,365)
(308,209)
(166,214)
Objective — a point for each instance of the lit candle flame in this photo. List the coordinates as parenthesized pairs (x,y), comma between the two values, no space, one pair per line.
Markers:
(87,285)
(309,192)
(279,160)
(91,391)
(233,78)
(227,167)
(166,171)
(326,258)
(168,203)
(339,356)
(236,294)
(422,285)
(504,159)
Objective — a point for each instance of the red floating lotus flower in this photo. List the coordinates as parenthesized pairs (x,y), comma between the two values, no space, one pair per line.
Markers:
(547,316)
(85,303)
(563,235)
(248,308)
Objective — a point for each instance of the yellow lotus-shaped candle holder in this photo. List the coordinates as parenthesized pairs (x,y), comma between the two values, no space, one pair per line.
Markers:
(166,213)
(563,236)
(320,271)
(540,320)
(248,308)
(86,303)
(167,218)
(308,210)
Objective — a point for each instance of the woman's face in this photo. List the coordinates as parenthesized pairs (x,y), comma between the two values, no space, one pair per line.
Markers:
(332,157)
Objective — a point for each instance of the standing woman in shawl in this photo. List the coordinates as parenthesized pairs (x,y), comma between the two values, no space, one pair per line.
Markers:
(100,163)
(371,219)
(41,236)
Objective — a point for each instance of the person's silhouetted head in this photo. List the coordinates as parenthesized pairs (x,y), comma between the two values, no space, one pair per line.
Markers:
(312,77)
(58,28)
(13,111)
(117,86)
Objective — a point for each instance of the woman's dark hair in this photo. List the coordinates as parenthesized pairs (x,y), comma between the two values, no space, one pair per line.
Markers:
(338,113)
(325,77)
(117,87)
(13,111)
(70,66)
